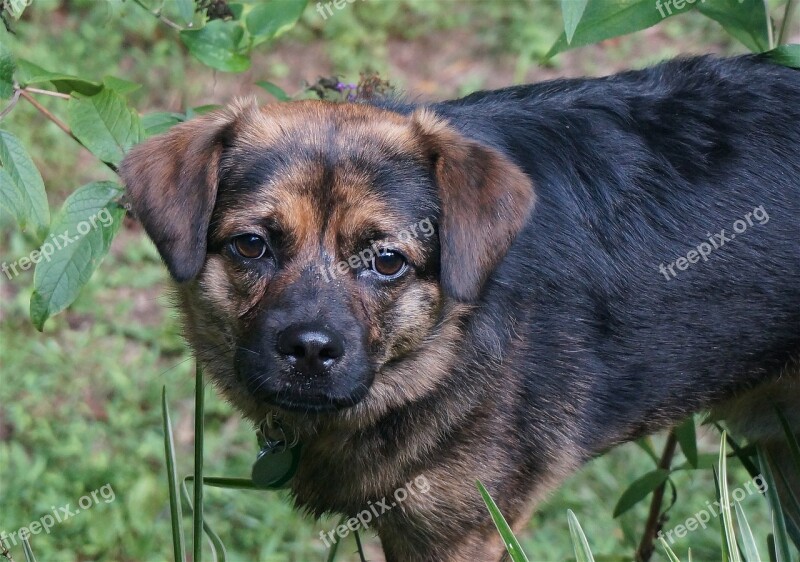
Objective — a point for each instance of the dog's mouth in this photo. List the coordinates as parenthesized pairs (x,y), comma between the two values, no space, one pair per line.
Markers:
(313,403)
(292,393)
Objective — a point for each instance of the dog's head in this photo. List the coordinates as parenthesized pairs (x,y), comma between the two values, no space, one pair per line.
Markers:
(316,246)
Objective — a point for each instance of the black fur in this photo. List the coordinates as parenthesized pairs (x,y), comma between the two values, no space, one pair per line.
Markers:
(632,171)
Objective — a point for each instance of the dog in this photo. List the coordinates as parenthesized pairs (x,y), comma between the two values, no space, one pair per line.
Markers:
(606,256)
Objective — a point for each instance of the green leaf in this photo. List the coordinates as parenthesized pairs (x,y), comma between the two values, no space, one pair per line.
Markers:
(579,543)
(193,112)
(509,540)
(572,12)
(640,489)
(723,534)
(217,45)
(611,18)
(748,542)
(277,92)
(705,461)
(7,68)
(782,551)
(787,55)
(646,444)
(64,83)
(237,9)
(791,439)
(120,85)
(725,502)
(746,20)
(186,10)
(175,514)
(22,190)
(687,437)
(80,237)
(272,18)
(105,124)
(157,123)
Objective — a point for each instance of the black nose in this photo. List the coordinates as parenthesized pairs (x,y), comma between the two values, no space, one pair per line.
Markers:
(310,349)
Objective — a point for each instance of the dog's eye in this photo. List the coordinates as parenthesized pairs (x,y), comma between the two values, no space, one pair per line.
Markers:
(389,263)
(249,246)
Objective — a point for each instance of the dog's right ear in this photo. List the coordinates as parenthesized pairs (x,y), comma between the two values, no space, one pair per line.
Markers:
(171,182)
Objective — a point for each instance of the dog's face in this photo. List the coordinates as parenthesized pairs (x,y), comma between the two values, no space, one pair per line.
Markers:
(318,246)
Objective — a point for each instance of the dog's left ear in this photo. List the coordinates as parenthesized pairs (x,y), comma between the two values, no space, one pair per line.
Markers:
(486,200)
(171,182)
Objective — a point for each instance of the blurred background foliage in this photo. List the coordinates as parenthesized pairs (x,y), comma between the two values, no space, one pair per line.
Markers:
(79,403)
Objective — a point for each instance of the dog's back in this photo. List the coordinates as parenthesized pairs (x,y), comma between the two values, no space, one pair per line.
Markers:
(666,229)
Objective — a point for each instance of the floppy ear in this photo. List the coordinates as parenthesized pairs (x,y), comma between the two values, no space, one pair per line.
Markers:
(171,182)
(486,200)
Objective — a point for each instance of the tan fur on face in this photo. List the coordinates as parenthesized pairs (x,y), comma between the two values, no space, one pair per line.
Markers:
(318,207)
(408,322)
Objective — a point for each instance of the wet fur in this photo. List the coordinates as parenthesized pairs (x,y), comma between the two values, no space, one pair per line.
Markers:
(535,330)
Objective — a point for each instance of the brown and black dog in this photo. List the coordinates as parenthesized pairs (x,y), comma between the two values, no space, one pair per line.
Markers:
(497,288)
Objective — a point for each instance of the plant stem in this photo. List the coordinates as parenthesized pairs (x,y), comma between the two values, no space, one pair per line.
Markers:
(788,16)
(14,99)
(647,544)
(158,15)
(46,112)
(59,123)
(47,93)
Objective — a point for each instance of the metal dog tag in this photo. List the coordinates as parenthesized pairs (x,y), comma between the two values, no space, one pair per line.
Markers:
(275,465)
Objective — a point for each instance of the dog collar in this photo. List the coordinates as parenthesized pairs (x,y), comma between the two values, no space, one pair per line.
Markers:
(278,457)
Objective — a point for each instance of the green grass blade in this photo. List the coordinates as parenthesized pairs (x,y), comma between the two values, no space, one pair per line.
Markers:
(773,557)
(782,552)
(26,548)
(582,551)
(512,544)
(723,536)
(791,439)
(218,552)
(229,483)
(725,502)
(748,542)
(335,546)
(741,453)
(670,555)
(197,516)
(178,545)
(794,505)
(646,445)
(687,437)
